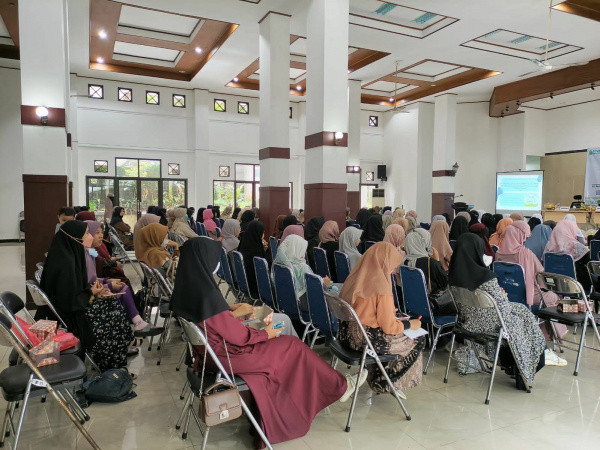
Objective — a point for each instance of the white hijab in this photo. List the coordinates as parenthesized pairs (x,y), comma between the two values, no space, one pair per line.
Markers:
(291,253)
(348,239)
(417,245)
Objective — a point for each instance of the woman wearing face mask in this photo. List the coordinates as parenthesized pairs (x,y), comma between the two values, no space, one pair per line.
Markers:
(90,311)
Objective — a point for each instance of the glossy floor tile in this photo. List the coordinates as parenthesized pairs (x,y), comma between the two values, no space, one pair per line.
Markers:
(562,411)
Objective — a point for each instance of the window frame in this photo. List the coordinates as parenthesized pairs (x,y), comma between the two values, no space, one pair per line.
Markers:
(101,86)
(215,100)
(173,166)
(247,107)
(138,171)
(100,161)
(157,97)
(184,101)
(372,172)
(130,94)
(374,185)
(376,122)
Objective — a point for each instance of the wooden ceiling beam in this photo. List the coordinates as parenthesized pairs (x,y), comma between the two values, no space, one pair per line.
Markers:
(590,9)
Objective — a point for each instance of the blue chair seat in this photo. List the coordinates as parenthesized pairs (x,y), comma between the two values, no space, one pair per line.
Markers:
(444,320)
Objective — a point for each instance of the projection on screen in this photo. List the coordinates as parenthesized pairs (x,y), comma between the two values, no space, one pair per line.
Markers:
(519,192)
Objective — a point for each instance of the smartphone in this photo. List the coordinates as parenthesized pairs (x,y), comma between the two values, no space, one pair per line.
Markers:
(278,325)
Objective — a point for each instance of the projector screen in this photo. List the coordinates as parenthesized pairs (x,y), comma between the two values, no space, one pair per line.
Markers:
(519,192)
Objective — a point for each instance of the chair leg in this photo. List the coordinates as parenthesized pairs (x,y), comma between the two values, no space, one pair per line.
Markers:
(187,419)
(556,338)
(314,339)
(432,350)
(22,415)
(163,339)
(5,423)
(205,438)
(391,385)
(185,386)
(449,357)
(355,395)
(581,342)
(76,405)
(591,319)
(334,361)
(186,405)
(489,392)
(181,359)
(93,364)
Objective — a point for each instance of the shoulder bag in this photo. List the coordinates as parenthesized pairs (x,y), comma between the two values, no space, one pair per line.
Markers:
(441,302)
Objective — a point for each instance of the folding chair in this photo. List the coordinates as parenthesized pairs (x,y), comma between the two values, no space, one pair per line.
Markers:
(368,245)
(594,250)
(273,243)
(567,287)
(41,299)
(287,300)
(317,308)
(416,301)
(561,264)
(265,291)
(164,311)
(342,266)
(594,271)
(121,252)
(151,292)
(321,262)
(21,222)
(20,382)
(196,337)
(201,229)
(481,300)
(227,276)
(342,311)
(240,275)
(511,278)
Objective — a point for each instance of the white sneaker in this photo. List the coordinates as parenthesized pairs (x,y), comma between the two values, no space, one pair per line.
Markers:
(354,382)
(552,359)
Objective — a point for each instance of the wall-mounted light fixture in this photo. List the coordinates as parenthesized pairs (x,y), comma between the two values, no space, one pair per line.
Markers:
(454,169)
(337,137)
(352,169)
(42,113)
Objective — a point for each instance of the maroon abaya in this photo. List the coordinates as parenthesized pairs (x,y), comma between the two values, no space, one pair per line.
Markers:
(289,382)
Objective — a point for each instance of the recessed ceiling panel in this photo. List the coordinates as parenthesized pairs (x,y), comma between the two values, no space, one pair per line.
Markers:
(147,19)
(295,73)
(384,86)
(430,68)
(144,51)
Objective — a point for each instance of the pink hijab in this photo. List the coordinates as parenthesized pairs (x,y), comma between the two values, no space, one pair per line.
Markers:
(330,231)
(564,240)
(209,223)
(395,235)
(412,213)
(514,251)
(292,229)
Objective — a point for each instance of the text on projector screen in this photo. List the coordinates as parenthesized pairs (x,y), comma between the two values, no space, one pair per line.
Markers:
(519,192)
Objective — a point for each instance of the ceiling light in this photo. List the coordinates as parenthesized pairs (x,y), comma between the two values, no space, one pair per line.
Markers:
(391,99)
(42,113)
(298,88)
(100,60)
(236,79)
(102,34)
(198,50)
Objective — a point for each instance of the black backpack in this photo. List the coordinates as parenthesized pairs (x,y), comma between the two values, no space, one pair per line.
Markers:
(111,386)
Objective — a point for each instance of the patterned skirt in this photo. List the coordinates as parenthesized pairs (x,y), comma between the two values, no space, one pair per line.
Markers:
(405,373)
(111,331)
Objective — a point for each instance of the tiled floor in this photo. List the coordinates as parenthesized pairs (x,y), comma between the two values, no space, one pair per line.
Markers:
(563,411)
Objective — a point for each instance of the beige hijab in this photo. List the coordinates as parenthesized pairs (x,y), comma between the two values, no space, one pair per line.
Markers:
(440,232)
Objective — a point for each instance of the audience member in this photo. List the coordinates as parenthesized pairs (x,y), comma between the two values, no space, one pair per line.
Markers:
(497,238)
(440,235)
(178,224)
(292,229)
(230,233)
(419,254)
(329,235)
(251,245)
(65,214)
(311,234)
(349,240)
(123,230)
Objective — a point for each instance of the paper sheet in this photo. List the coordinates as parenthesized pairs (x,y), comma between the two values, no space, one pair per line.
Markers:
(413,334)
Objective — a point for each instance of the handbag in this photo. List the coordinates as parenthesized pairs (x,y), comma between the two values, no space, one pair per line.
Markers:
(442,302)
(220,402)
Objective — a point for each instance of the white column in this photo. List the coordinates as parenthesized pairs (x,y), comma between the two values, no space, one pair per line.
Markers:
(326,108)
(354,125)
(274,153)
(203,194)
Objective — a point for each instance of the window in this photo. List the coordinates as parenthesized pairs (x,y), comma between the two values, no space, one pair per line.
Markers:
(100,166)
(223,193)
(220,105)
(152,98)
(366,195)
(224,171)
(95,91)
(174,169)
(97,190)
(125,95)
(290,112)
(134,168)
(373,121)
(370,176)
(174,193)
(243,108)
(178,101)
(244,191)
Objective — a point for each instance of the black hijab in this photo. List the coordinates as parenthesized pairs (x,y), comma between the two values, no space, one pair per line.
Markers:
(289,220)
(64,278)
(313,227)
(373,230)
(162,213)
(488,220)
(534,222)
(474,217)
(116,217)
(361,217)
(247,218)
(152,209)
(199,215)
(216,212)
(467,269)
(251,244)
(196,296)
(236,211)
(448,220)
(458,228)
(497,218)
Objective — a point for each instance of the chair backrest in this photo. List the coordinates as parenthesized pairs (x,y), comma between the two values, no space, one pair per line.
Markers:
(202,230)
(474,299)
(594,268)
(368,245)
(342,266)
(119,249)
(273,245)
(7,335)
(395,293)
(319,314)
(41,299)
(453,244)
(511,278)
(164,284)
(218,232)
(321,262)
(494,247)
(342,311)
(414,292)
(285,291)
(594,250)
(562,285)
(240,272)
(10,305)
(148,273)
(560,264)
(227,276)
(261,268)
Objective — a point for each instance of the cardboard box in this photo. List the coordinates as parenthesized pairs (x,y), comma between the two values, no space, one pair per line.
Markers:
(44,329)
(568,306)
(46,353)
(262,316)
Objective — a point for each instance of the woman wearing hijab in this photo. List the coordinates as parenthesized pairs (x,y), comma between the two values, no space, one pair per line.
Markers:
(85,215)
(190,217)
(109,206)
(412,213)
(162,214)
(178,224)
(329,235)
(437,217)
(580,236)
(538,240)
(517,216)
(209,223)
(467,270)
(253,244)
(498,237)
(440,232)
(488,220)
(412,224)
(200,215)
(230,233)
(246,219)
(368,289)
(563,240)
(466,215)
(227,212)
(311,234)
(123,230)
(278,230)
(402,222)
(460,226)
(514,251)
(373,230)
(106,265)
(398,213)
(419,254)
(474,217)
(236,213)
(533,222)
(361,217)
(143,221)
(90,311)
(349,240)
(151,244)
(395,235)
(481,230)
(292,229)
(289,220)
(387,220)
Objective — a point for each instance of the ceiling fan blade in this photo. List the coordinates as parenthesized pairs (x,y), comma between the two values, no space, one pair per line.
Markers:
(529,73)
(537,62)
(572,64)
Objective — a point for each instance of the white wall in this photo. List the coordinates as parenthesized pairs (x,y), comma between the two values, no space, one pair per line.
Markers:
(11,152)
(573,128)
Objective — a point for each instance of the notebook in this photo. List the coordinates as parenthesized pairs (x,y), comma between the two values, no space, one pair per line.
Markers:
(414,334)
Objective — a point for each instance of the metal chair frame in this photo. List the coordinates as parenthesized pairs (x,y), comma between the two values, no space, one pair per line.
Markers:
(120,248)
(228,275)
(262,267)
(166,287)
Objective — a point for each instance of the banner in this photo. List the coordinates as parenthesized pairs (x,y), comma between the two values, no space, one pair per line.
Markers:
(591,194)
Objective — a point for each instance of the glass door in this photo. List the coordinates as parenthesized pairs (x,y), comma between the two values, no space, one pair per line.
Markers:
(149,195)
(127,191)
